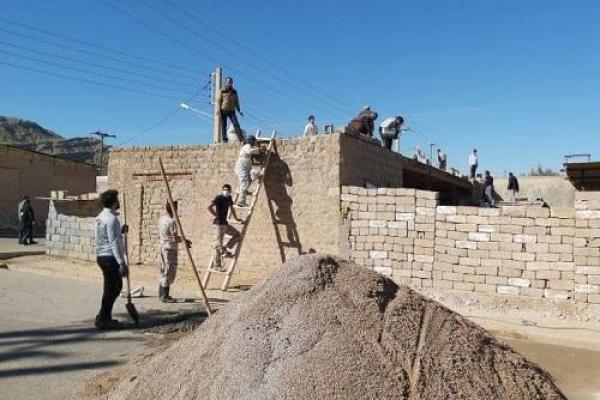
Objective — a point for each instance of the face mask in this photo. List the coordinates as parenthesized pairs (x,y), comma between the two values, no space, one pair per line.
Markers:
(225,193)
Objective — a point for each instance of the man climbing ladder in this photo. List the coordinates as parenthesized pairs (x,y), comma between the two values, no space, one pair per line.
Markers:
(236,238)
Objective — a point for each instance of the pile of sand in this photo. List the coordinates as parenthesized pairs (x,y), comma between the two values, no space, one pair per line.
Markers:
(322,329)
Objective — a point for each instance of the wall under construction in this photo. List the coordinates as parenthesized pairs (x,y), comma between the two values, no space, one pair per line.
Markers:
(301,197)
(518,250)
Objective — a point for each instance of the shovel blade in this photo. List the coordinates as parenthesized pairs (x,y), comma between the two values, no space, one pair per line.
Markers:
(133,313)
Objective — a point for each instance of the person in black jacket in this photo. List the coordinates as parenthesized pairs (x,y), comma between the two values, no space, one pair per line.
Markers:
(513,187)
(26,221)
(488,188)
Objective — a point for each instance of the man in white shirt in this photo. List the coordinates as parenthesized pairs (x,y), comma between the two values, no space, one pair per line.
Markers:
(109,256)
(389,130)
(311,129)
(168,238)
(473,163)
(243,168)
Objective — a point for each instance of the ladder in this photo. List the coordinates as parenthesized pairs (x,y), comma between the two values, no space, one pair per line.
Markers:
(227,272)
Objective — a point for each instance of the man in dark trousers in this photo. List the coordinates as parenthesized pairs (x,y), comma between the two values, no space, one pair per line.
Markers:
(228,102)
(219,208)
(513,187)
(488,188)
(26,221)
(109,256)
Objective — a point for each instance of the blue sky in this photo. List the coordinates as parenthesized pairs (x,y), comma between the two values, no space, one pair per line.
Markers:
(516,79)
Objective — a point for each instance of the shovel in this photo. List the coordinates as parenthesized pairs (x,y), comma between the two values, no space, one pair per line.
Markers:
(130,307)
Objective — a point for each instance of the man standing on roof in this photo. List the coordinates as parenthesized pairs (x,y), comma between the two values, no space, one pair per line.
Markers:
(390,129)
(513,187)
(363,123)
(442,159)
(473,163)
(311,129)
(220,208)
(228,102)
(243,168)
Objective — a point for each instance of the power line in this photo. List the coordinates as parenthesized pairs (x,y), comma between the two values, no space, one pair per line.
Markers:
(85,80)
(257,55)
(85,43)
(84,71)
(89,53)
(185,45)
(196,33)
(123,71)
(159,122)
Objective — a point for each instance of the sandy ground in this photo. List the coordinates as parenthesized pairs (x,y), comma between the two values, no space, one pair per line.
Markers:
(41,337)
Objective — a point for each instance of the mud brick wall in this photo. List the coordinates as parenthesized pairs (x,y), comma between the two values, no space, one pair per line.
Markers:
(24,172)
(517,251)
(301,200)
(71,229)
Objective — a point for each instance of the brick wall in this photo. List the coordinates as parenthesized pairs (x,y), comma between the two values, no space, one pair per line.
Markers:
(71,228)
(519,251)
(24,172)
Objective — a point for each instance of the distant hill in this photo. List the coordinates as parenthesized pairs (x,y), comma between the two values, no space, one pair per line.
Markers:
(18,131)
(31,136)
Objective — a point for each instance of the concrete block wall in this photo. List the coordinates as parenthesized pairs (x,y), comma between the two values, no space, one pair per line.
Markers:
(587,246)
(71,229)
(517,251)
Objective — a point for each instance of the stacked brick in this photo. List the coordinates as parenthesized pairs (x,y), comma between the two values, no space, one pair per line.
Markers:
(392,231)
(70,229)
(518,250)
(587,246)
(514,250)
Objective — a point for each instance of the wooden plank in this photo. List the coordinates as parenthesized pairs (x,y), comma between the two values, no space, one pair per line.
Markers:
(183,238)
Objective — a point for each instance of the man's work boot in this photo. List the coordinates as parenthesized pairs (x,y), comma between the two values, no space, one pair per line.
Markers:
(166,298)
(107,324)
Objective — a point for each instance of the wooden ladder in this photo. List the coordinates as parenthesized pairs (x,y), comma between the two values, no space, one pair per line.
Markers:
(245,221)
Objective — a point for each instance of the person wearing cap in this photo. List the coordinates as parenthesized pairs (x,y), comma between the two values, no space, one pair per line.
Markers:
(220,208)
(311,130)
(243,167)
(229,102)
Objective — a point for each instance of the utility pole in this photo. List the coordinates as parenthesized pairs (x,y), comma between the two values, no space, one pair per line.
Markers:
(217,85)
(102,136)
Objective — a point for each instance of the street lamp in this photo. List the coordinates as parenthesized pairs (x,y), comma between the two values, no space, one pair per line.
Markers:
(200,113)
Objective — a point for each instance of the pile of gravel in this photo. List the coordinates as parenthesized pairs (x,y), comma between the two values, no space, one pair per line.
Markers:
(322,328)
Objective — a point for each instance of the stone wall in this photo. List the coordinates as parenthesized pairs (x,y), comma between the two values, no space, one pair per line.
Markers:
(71,228)
(302,184)
(520,251)
(24,172)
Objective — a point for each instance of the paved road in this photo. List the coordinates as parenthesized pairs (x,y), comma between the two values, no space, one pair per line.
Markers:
(9,247)
(47,341)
